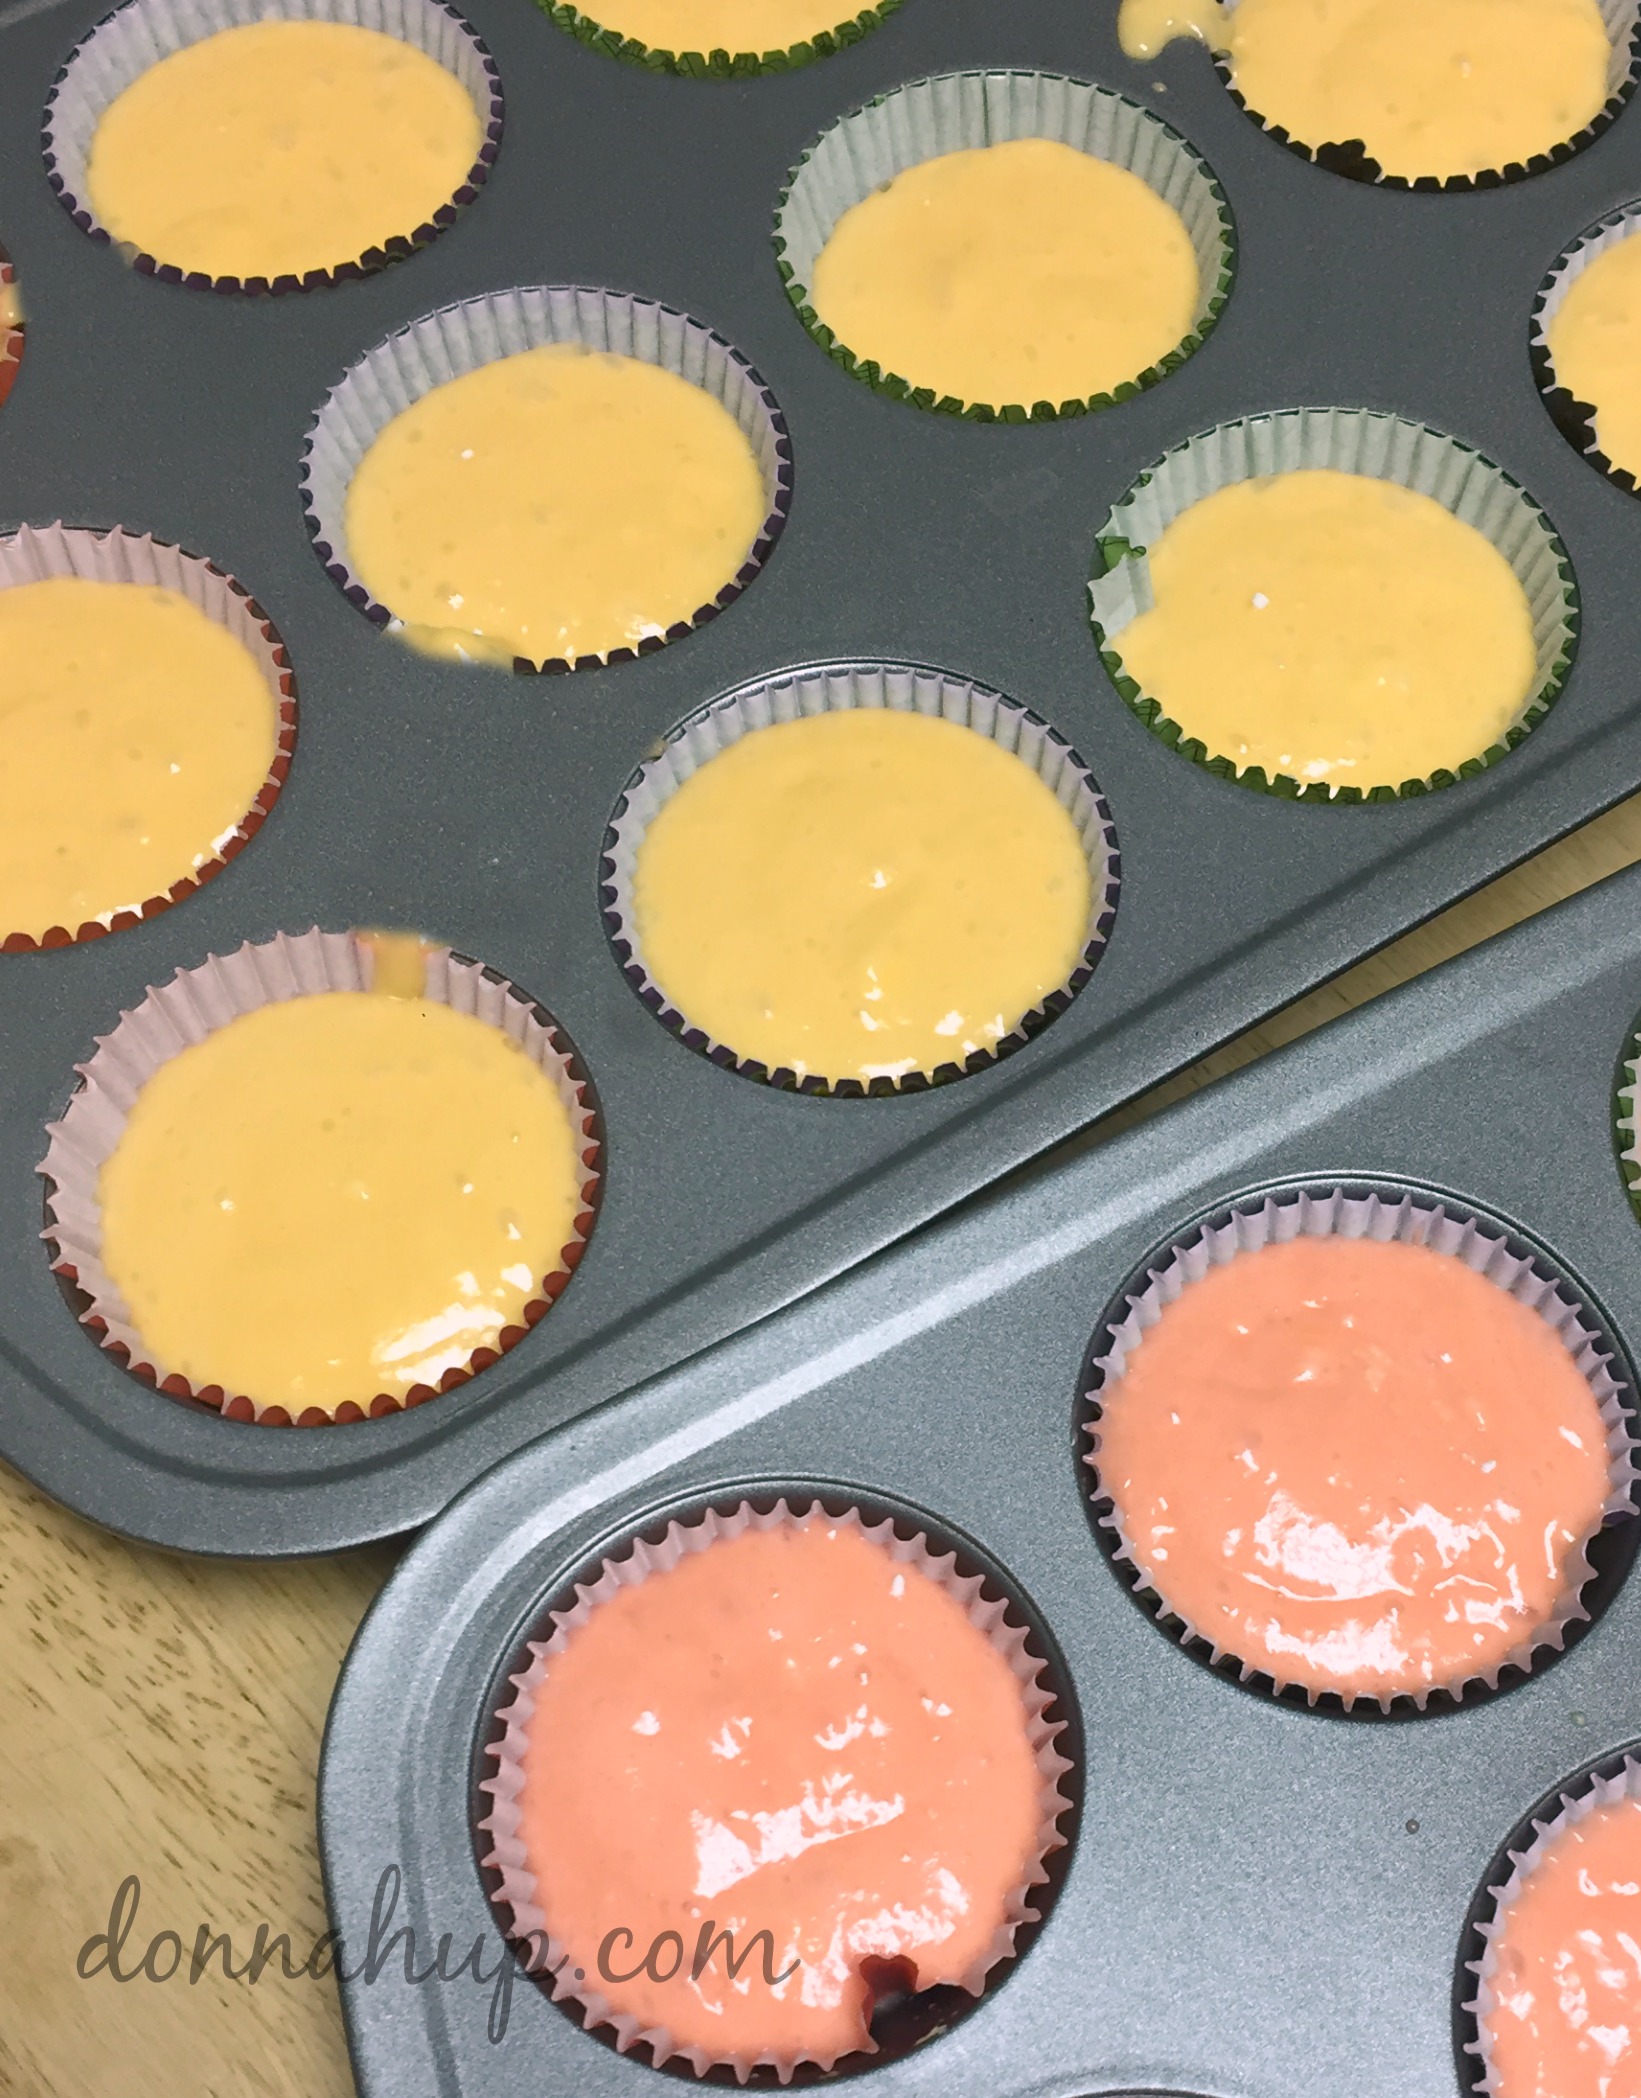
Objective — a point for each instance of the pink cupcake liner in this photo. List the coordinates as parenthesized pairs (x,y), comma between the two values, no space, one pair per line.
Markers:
(1577,1801)
(35,554)
(140,33)
(1422,1221)
(516,1893)
(195,1003)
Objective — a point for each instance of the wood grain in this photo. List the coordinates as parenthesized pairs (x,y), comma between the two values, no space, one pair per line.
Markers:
(162,1716)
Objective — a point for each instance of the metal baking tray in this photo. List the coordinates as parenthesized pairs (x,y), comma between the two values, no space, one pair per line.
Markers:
(473,806)
(1262,1901)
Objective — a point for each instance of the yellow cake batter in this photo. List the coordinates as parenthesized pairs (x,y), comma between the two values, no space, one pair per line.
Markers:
(337,1196)
(280,148)
(1145,26)
(736,26)
(861,894)
(1014,273)
(1595,348)
(1333,627)
(1431,87)
(135,733)
(558,503)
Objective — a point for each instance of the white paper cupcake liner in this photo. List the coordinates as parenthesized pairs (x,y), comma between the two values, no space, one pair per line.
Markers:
(516,1893)
(142,32)
(1573,1803)
(953,111)
(35,554)
(719,64)
(1346,156)
(1348,440)
(1575,419)
(838,688)
(1409,1219)
(11,325)
(195,1003)
(459,339)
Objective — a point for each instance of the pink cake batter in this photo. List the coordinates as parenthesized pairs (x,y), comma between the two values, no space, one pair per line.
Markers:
(1355,1466)
(789,1731)
(1567,2020)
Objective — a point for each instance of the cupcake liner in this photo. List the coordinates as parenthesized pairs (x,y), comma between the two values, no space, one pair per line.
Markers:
(1613,1780)
(1627,1117)
(195,1003)
(33,555)
(952,111)
(1348,440)
(716,65)
(1347,156)
(1409,1219)
(837,688)
(140,33)
(459,339)
(1575,419)
(549,1957)
(11,325)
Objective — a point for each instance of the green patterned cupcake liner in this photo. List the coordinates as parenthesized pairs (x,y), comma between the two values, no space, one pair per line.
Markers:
(715,65)
(955,111)
(1348,440)
(1576,419)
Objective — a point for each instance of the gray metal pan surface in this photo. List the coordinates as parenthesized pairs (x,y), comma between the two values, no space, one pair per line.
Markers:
(1263,1901)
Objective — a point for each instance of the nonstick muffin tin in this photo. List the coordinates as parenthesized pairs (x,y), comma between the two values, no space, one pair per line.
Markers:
(472,806)
(1260,1900)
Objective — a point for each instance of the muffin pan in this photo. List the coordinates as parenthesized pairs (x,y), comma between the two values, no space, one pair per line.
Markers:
(472,806)
(1261,1899)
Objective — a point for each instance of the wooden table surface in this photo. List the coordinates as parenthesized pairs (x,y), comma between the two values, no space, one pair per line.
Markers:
(162,1717)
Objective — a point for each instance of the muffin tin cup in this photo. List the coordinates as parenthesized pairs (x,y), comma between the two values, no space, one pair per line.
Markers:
(1617,1779)
(11,325)
(952,111)
(140,33)
(195,1003)
(840,688)
(720,64)
(516,1893)
(1350,158)
(459,339)
(1348,440)
(1408,1218)
(1575,419)
(34,554)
